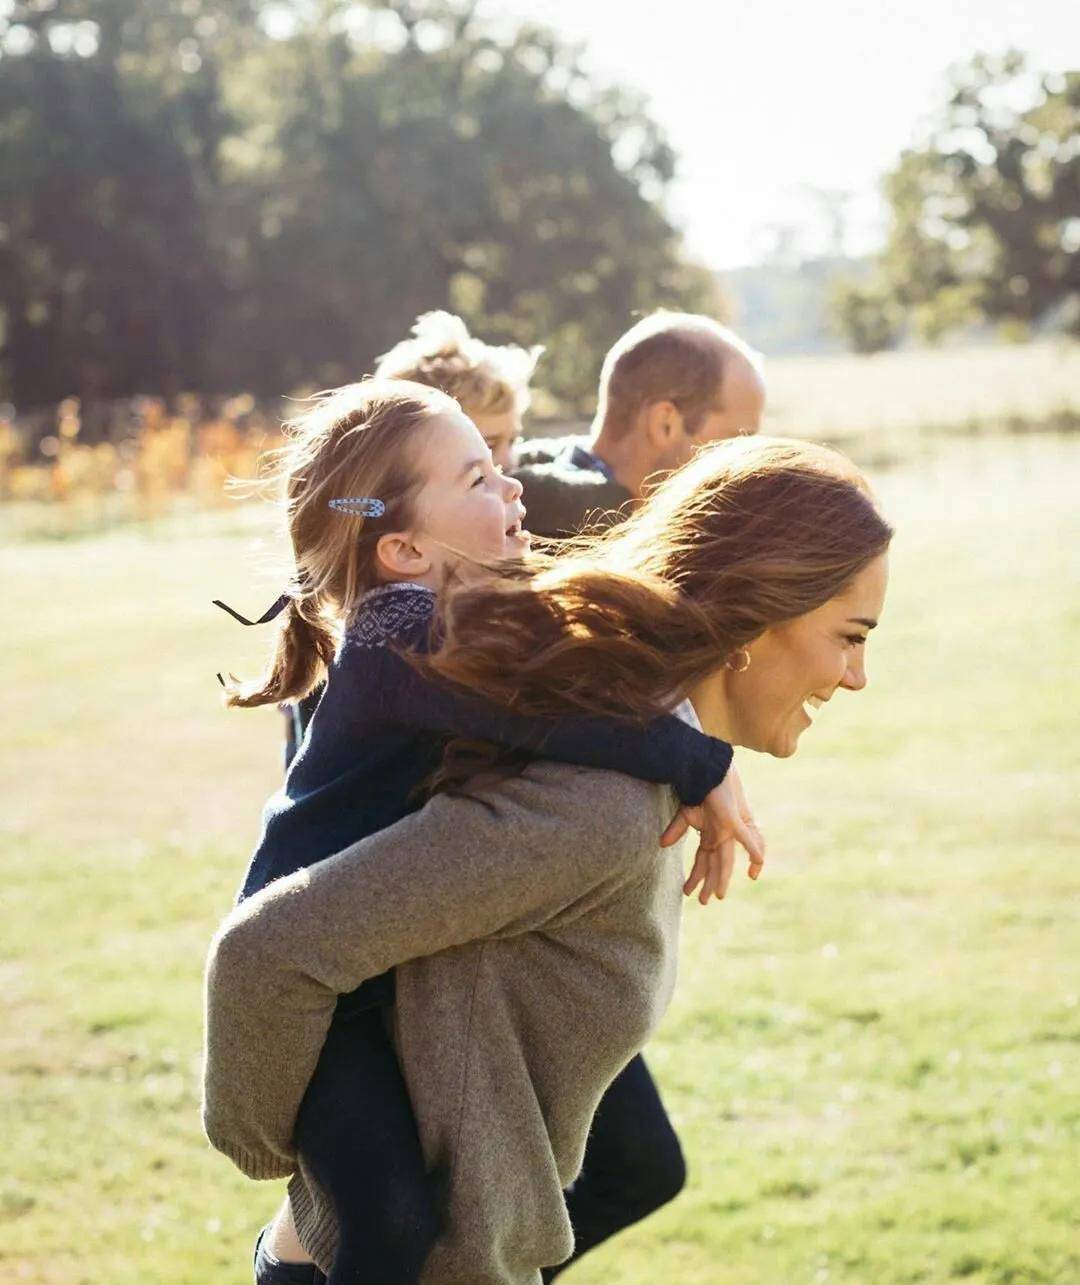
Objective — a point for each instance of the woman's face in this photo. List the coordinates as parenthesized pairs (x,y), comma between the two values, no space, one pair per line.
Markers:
(795,667)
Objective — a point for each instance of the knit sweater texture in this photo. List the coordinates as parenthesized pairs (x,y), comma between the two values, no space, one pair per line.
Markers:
(534,930)
(380,727)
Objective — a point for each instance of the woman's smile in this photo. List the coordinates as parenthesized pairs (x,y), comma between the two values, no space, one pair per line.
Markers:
(764,705)
(811,705)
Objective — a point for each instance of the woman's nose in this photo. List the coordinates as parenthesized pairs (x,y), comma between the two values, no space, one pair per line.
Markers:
(855,679)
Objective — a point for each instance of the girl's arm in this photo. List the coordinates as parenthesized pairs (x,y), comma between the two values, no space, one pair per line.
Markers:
(506,860)
(665,750)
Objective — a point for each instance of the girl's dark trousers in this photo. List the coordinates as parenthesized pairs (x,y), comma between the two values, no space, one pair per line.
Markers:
(357,1133)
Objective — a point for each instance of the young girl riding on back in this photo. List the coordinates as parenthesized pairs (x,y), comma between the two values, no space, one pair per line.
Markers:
(391,489)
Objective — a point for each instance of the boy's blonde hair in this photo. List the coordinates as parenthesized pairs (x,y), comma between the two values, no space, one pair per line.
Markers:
(487,379)
(360,440)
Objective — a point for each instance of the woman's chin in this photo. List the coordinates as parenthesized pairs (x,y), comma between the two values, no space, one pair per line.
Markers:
(784,745)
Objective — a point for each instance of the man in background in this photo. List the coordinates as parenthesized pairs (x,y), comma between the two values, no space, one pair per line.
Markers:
(672,383)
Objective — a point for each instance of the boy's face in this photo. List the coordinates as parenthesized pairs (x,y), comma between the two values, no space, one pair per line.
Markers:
(501,433)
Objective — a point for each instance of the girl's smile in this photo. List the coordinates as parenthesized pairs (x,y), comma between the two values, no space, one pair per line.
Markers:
(465,511)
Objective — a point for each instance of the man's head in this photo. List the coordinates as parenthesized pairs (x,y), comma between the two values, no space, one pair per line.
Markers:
(672,383)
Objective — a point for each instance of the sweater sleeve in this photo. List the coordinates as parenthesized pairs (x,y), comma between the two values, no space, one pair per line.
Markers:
(665,750)
(507,860)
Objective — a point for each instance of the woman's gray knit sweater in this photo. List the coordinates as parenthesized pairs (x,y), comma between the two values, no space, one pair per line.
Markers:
(534,929)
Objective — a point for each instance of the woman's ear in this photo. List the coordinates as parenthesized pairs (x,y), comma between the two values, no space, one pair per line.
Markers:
(400,558)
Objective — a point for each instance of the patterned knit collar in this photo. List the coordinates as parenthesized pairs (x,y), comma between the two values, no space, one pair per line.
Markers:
(387,613)
(393,587)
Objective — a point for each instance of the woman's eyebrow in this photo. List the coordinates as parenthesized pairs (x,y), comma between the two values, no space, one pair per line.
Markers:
(861,620)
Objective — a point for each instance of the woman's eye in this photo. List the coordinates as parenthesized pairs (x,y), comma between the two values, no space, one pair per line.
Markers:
(856,640)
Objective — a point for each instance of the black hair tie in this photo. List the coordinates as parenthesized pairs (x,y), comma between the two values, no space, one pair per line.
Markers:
(274,610)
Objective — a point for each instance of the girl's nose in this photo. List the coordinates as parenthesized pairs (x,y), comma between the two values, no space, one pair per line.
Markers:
(513,488)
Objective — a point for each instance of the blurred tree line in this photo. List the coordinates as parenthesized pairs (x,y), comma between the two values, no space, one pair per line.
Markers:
(213,195)
(985,215)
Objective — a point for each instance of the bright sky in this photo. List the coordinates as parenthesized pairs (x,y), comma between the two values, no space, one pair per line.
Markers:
(765,98)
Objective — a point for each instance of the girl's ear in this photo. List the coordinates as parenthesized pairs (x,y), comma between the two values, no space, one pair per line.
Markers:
(399,557)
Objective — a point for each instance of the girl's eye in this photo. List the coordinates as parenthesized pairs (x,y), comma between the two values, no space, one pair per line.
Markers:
(478,480)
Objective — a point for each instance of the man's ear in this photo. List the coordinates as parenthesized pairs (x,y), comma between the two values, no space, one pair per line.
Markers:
(663,424)
(399,557)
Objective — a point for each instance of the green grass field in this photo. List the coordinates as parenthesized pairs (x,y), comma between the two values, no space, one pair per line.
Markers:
(872,1054)
(924,390)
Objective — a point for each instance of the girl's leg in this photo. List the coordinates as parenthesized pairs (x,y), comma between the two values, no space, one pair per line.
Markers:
(357,1132)
(280,1259)
(281,1237)
(633,1163)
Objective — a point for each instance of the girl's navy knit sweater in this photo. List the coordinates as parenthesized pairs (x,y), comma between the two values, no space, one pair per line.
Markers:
(380,728)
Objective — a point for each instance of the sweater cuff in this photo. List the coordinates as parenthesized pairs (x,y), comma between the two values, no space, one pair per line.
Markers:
(704,773)
(260,1164)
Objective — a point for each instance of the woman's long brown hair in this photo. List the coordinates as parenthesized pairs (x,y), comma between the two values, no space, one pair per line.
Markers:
(752,532)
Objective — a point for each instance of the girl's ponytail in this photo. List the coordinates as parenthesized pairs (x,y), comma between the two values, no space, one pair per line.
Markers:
(303,650)
(350,462)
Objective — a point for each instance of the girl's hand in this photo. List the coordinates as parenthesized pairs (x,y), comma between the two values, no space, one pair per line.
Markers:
(723,818)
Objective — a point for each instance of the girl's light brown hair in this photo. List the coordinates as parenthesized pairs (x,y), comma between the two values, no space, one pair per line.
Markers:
(752,532)
(487,379)
(360,440)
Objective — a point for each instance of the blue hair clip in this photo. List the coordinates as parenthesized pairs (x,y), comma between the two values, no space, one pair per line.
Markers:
(359,506)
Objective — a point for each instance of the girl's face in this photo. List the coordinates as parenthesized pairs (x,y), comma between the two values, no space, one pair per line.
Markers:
(465,508)
(795,667)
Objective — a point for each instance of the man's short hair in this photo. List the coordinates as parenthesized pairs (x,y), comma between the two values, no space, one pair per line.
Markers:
(677,357)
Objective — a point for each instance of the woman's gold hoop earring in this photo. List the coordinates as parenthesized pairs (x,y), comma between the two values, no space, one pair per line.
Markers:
(744,661)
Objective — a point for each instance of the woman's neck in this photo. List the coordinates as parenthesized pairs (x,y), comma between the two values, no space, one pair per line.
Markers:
(708,699)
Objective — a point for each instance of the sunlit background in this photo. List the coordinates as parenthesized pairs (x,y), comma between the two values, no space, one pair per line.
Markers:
(787,116)
(210,207)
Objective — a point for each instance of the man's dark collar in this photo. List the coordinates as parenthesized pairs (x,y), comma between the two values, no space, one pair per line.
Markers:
(580,457)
